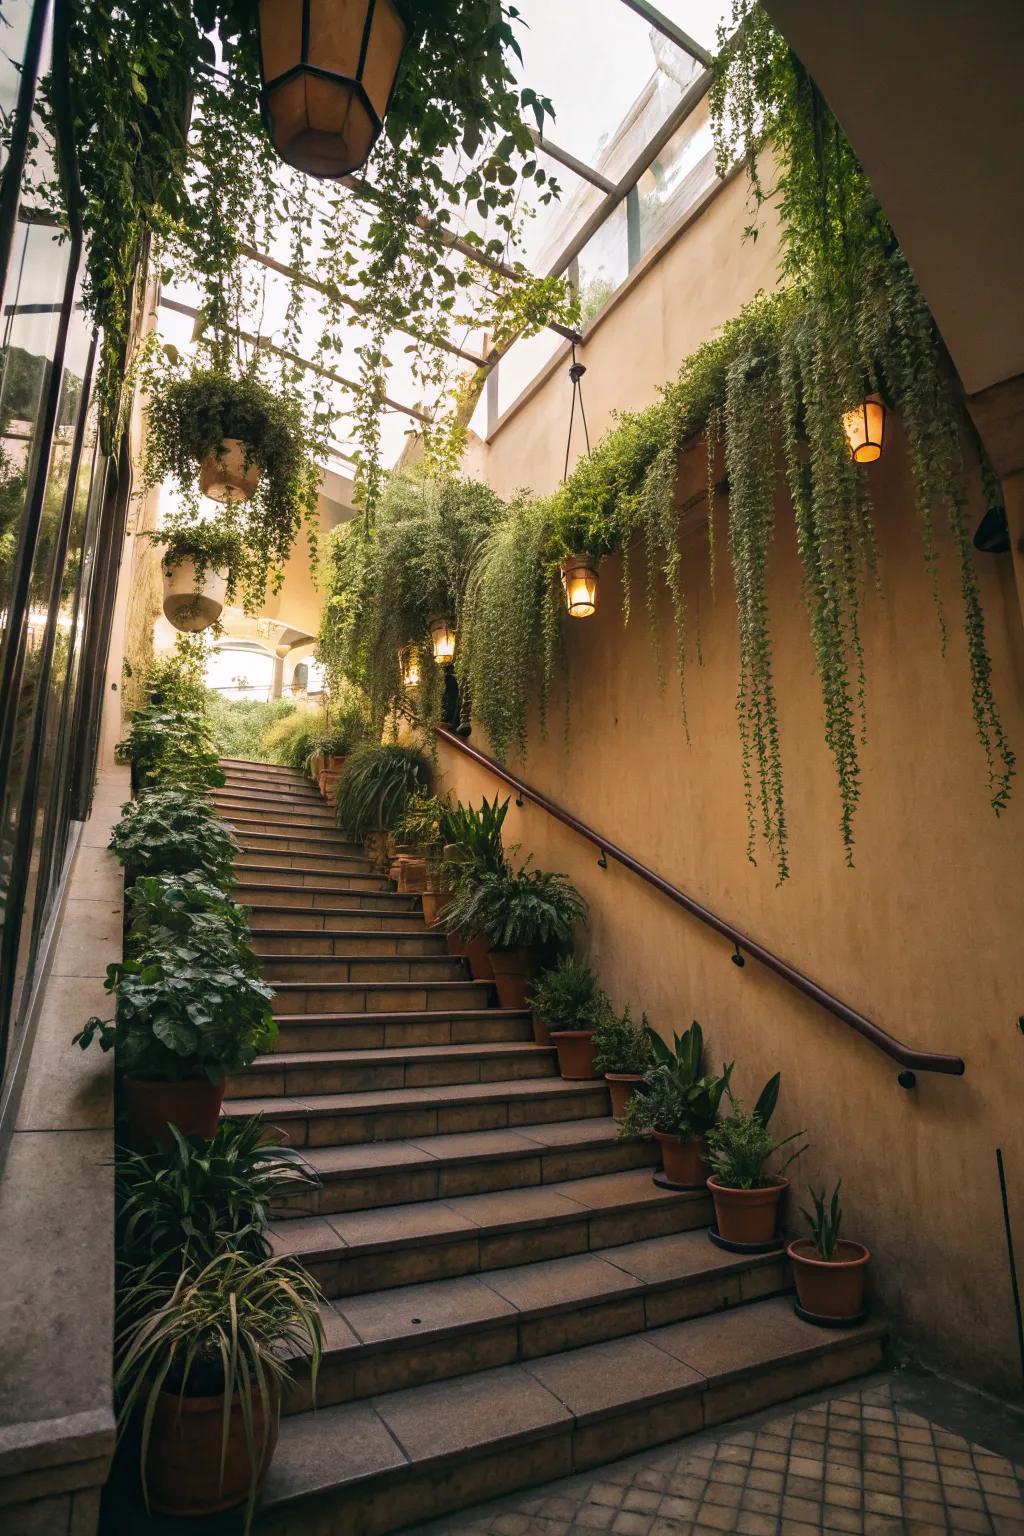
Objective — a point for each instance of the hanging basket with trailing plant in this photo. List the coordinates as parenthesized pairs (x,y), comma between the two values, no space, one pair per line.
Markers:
(200,567)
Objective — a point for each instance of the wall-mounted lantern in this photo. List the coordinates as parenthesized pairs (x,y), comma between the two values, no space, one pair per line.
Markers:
(865,429)
(579,583)
(442,638)
(328,70)
(409,663)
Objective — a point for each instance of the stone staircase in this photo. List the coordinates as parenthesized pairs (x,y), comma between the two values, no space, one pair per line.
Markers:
(510,1297)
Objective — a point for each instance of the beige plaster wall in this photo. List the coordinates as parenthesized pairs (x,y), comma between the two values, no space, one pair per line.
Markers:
(923,935)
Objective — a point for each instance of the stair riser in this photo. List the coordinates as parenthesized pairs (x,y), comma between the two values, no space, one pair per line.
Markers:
(292,869)
(346,1376)
(365,968)
(290,851)
(283,830)
(270,789)
(349,1272)
(271,947)
(357,1035)
(386,1503)
(354,998)
(483,1176)
(397,1124)
(258,895)
(307,1081)
(309,809)
(378,923)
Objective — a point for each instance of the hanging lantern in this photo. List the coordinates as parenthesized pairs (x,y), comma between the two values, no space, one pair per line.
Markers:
(442,639)
(579,583)
(328,70)
(865,429)
(409,664)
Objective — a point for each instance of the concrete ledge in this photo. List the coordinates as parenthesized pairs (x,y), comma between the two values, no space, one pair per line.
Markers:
(57,1425)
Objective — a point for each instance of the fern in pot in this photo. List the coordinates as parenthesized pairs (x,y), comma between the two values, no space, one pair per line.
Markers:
(623,1054)
(677,1104)
(747,1196)
(829,1270)
(568,1005)
(519,913)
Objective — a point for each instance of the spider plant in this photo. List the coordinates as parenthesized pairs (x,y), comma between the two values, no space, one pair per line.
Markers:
(376,786)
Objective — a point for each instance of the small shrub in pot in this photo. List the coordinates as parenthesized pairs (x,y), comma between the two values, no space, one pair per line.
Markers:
(622,1053)
(829,1271)
(746,1195)
(518,912)
(678,1104)
(568,1005)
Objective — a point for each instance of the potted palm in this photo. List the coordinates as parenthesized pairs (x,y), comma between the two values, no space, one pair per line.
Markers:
(206,1361)
(678,1104)
(622,1052)
(517,912)
(746,1195)
(568,1004)
(829,1271)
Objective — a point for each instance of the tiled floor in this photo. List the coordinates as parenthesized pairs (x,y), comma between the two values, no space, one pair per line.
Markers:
(898,1454)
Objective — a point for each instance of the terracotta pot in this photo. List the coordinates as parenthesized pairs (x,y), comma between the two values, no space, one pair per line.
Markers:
(193,1106)
(183,1459)
(747,1215)
(684,1162)
(456,945)
(575,1049)
(225,476)
(412,875)
(621,1086)
(434,903)
(835,1289)
(190,604)
(513,970)
(478,953)
(541,1033)
(336,764)
(316,765)
(376,846)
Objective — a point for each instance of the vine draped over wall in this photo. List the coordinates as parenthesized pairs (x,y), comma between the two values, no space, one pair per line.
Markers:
(770,391)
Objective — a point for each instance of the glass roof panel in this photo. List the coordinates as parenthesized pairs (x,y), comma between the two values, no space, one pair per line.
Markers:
(700,19)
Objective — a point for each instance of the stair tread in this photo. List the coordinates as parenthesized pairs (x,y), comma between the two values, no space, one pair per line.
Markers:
(284,885)
(295,1105)
(302,869)
(310,960)
(400,1016)
(415,1429)
(335,933)
(450,1147)
(376,986)
(367,1057)
(504,1210)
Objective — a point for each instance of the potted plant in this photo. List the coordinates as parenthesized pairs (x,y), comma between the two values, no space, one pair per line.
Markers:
(472,848)
(829,1271)
(517,912)
(206,1361)
(622,1052)
(374,792)
(200,566)
(746,1195)
(678,1104)
(173,830)
(568,1005)
(170,747)
(187,1015)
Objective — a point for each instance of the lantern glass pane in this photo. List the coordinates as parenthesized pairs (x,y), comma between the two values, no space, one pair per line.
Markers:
(336,34)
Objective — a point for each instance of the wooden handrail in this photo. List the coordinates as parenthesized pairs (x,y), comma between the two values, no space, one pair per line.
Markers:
(910,1060)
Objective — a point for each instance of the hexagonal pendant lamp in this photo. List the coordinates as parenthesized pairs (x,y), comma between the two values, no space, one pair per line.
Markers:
(328,69)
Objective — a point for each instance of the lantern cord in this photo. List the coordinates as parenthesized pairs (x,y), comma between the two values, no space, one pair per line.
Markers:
(576,372)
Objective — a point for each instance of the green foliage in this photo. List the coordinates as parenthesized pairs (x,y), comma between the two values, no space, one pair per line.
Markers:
(230,1327)
(376,786)
(476,838)
(568,996)
(189,907)
(238,726)
(425,820)
(825,1222)
(516,909)
(389,579)
(178,1206)
(170,749)
(621,1044)
(174,831)
(740,1145)
(292,738)
(175,680)
(677,1097)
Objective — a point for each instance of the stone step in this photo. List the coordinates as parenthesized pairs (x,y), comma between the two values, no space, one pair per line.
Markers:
(327,839)
(314,853)
(251,813)
(294,869)
(270,943)
(271,918)
(396,1031)
(339,1119)
(250,769)
(364,967)
(305,1073)
(371,1174)
(383,996)
(275,805)
(374,1249)
(386,1341)
(276,780)
(285,895)
(374,1466)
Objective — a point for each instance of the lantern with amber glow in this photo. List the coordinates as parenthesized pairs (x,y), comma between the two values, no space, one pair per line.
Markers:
(579,583)
(409,662)
(442,639)
(865,429)
(328,69)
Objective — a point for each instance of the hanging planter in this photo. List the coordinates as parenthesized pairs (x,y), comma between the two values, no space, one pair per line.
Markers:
(328,71)
(193,600)
(579,583)
(229,472)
